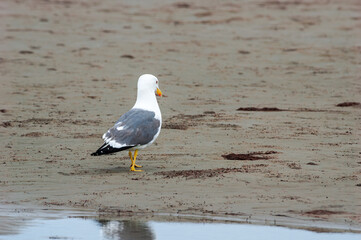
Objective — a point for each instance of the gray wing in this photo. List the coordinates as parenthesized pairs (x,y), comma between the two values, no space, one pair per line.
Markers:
(136,127)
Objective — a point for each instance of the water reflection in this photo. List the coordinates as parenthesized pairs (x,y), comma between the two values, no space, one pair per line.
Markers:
(125,230)
(91,229)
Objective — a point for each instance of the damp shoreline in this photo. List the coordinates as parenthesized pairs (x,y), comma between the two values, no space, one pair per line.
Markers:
(260,111)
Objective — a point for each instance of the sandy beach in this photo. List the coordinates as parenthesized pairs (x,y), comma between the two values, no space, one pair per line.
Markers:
(261,107)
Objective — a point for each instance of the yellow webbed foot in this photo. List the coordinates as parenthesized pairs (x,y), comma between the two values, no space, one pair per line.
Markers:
(138,166)
(132,169)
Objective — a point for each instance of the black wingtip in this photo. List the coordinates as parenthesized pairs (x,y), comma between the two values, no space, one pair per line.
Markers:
(106,149)
(98,152)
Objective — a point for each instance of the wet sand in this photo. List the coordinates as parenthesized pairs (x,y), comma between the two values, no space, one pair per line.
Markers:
(251,126)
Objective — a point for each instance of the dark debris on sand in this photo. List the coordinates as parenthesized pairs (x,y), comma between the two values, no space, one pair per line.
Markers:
(249,156)
(264,109)
(194,174)
(322,212)
(348,104)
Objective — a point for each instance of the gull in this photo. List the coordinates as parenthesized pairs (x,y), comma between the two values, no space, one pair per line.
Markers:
(139,127)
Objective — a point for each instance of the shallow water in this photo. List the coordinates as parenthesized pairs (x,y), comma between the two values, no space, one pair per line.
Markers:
(91,229)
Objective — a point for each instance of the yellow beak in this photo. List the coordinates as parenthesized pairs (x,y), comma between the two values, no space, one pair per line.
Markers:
(159,93)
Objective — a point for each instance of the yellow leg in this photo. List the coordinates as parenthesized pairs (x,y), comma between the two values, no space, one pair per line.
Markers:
(132,167)
(131,159)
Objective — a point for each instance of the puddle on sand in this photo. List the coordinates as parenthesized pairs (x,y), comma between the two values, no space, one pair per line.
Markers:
(53,224)
(90,229)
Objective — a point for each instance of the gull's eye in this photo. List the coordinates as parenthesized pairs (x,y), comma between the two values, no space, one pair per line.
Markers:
(156,82)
